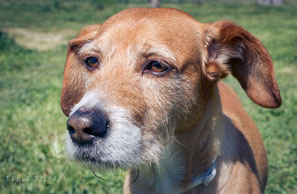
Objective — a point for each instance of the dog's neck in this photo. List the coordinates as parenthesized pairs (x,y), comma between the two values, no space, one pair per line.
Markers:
(202,142)
(190,155)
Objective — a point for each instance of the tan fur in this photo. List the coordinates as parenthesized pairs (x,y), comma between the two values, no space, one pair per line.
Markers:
(187,117)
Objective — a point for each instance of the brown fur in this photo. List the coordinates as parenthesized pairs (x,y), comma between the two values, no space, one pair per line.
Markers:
(209,120)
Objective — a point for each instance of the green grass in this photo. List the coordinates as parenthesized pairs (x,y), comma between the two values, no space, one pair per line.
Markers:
(32,126)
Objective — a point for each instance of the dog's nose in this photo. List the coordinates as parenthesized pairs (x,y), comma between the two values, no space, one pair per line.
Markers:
(85,125)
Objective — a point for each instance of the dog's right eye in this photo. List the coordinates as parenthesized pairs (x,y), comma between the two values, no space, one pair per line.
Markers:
(156,68)
(92,63)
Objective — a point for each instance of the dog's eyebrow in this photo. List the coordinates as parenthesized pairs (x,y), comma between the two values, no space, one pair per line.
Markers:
(160,51)
(88,48)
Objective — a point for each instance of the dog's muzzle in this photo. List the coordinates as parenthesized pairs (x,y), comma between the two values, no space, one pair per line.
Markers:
(84,125)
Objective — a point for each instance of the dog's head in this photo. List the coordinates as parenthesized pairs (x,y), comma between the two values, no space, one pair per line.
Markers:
(131,82)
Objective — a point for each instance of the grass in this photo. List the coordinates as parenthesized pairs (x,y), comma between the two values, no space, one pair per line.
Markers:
(32,126)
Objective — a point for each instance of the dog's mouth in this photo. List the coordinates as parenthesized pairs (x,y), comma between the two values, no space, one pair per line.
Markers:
(88,160)
(91,157)
(121,147)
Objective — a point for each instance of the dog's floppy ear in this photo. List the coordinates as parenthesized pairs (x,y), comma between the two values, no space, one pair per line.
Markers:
(232,49)
(73,84)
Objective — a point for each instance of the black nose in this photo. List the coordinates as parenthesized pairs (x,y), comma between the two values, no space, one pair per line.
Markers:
(86,124)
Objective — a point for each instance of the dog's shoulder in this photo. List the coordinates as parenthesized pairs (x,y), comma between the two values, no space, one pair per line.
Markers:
(248,145)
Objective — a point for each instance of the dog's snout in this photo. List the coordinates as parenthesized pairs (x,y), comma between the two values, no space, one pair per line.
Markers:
(85,125)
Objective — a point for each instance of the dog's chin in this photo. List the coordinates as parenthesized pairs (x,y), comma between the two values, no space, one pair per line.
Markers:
(101,155)
(97,164)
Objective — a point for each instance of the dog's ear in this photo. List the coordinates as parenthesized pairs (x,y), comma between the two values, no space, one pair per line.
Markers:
(232,49)
(85,35)
(73,85)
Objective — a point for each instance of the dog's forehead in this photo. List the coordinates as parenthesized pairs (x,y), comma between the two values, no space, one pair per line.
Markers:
(161,15)
(166,30)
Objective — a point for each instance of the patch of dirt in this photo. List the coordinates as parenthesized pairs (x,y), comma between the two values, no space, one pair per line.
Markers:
(41,41)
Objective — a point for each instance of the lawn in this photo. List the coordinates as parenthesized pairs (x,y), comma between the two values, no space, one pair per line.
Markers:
(33,42)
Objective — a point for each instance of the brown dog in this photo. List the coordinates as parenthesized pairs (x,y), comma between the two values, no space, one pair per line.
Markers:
(142,91)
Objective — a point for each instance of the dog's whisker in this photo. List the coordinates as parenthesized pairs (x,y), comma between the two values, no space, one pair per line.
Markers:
(96,175)
(177,141)
(135,179)
(83,164)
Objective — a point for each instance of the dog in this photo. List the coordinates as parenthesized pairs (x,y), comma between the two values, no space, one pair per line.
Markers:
(143,92)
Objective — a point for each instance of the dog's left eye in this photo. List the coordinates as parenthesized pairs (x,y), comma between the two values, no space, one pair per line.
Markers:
(156,68)
(92,62)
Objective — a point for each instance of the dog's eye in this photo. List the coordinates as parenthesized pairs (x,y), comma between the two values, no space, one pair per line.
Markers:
(92,62)
(156,68)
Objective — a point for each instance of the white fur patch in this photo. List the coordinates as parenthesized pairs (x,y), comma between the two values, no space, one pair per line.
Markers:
(227,53)
(88,47)
(165,176)
(89,100)
(225,174)
(163,51)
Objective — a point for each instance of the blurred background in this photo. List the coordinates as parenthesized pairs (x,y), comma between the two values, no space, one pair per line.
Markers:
(33,42)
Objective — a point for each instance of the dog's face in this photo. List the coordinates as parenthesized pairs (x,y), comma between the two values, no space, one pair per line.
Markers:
(132,82)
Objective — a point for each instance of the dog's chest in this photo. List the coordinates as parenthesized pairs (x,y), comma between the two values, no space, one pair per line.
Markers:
(166,176)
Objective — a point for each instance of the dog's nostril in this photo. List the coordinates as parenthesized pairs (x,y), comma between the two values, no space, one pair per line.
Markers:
(98,127)
(88,131)
(70,129)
